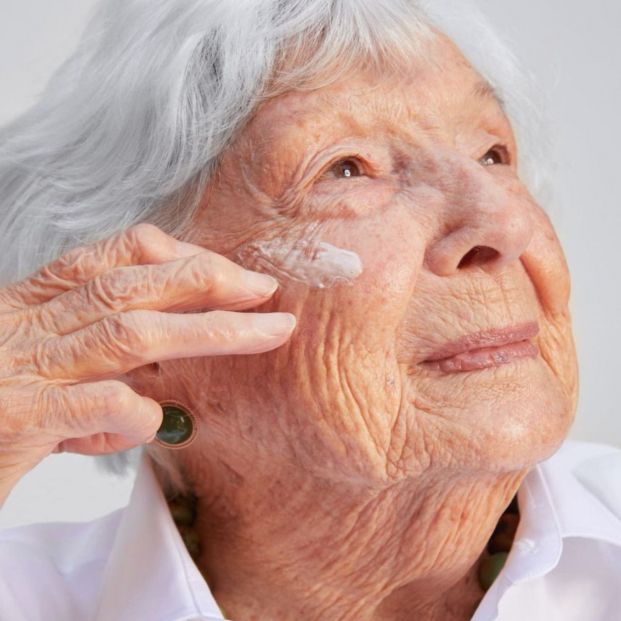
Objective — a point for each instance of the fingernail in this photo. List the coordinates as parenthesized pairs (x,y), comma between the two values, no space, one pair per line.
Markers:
(260,284)
(275,324)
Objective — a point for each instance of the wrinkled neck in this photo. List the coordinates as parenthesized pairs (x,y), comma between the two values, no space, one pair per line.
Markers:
(292,547)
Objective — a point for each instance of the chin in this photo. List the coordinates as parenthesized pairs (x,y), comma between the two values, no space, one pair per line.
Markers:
(496,420)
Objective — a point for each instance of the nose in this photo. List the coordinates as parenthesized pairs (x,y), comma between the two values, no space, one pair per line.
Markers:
(488,228)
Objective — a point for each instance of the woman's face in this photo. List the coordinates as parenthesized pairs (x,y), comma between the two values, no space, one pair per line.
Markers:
(366,199)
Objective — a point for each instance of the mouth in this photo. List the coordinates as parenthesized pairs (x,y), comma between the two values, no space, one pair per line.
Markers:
(482,350)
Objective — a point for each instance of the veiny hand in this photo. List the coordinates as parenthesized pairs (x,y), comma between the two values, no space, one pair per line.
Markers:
(96,313)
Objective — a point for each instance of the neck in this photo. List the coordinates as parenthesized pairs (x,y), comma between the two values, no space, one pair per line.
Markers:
(288,546)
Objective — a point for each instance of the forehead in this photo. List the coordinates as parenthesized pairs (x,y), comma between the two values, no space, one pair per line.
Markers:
(438,88)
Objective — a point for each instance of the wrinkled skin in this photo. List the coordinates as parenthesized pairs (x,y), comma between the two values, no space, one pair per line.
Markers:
(338,478)
(339,474)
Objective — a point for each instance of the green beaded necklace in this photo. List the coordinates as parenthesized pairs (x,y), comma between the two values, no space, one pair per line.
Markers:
(499,545)
(183,511)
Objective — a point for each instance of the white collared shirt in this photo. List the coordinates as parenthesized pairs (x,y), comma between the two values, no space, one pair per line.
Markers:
(565,563)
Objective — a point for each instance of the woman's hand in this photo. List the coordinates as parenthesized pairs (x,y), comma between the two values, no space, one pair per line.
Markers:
(96,313)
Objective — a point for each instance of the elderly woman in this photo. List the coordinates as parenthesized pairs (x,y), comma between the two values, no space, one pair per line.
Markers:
(294,240)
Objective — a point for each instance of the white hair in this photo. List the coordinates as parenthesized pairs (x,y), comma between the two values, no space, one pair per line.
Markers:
(131,127)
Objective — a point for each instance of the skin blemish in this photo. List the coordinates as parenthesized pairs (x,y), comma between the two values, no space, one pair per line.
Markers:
(315,263)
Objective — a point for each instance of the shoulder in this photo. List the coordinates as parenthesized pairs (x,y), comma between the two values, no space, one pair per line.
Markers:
(48,570)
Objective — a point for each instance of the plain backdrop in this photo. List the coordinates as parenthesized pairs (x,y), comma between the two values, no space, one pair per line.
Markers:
(572,47)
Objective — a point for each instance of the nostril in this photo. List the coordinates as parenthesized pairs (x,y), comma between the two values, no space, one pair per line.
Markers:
(478,255)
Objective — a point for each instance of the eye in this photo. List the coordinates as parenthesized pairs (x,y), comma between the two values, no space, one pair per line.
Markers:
(498,154)
(347,168)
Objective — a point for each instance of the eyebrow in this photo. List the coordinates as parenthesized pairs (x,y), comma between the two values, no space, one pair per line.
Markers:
(485,90)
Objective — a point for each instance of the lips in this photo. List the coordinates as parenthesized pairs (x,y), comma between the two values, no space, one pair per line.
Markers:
(489,348)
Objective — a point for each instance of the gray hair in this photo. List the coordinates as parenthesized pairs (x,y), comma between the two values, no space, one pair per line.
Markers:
(131,127)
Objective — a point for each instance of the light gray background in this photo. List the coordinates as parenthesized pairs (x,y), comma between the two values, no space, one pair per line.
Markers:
(573,49)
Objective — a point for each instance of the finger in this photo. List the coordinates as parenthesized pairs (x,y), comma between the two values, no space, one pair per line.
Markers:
(119,343)
(98,416)
(204,280)
(141,244)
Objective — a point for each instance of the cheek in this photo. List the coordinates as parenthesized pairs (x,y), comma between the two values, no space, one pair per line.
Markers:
(345,345)
(356,257)
(385,251)
(545,263)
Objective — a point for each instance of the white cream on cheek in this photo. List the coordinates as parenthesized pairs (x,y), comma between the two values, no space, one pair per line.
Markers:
(317,264)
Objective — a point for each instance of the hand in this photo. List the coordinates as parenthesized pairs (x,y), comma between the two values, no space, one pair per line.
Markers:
(96,313)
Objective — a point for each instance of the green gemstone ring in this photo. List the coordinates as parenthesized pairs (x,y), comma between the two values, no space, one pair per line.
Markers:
(178,427)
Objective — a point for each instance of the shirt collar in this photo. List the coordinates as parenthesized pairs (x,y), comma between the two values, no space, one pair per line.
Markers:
(150,574)
(583,485)
(567,495)
(571,494)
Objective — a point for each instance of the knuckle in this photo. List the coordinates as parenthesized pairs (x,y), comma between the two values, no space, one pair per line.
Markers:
(111,290)
(144,235)
(73,266)
(43,358)
(78,411)
(124,333)
(117,396)
(38,318)
(206,272)
(199,269)
(52,407)
(152,283)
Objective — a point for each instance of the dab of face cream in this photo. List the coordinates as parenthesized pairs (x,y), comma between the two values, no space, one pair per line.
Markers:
(317,264)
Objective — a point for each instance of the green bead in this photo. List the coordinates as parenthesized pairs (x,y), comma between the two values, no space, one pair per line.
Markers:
(191,540)
(177,426)
(490,568)
(182,511)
